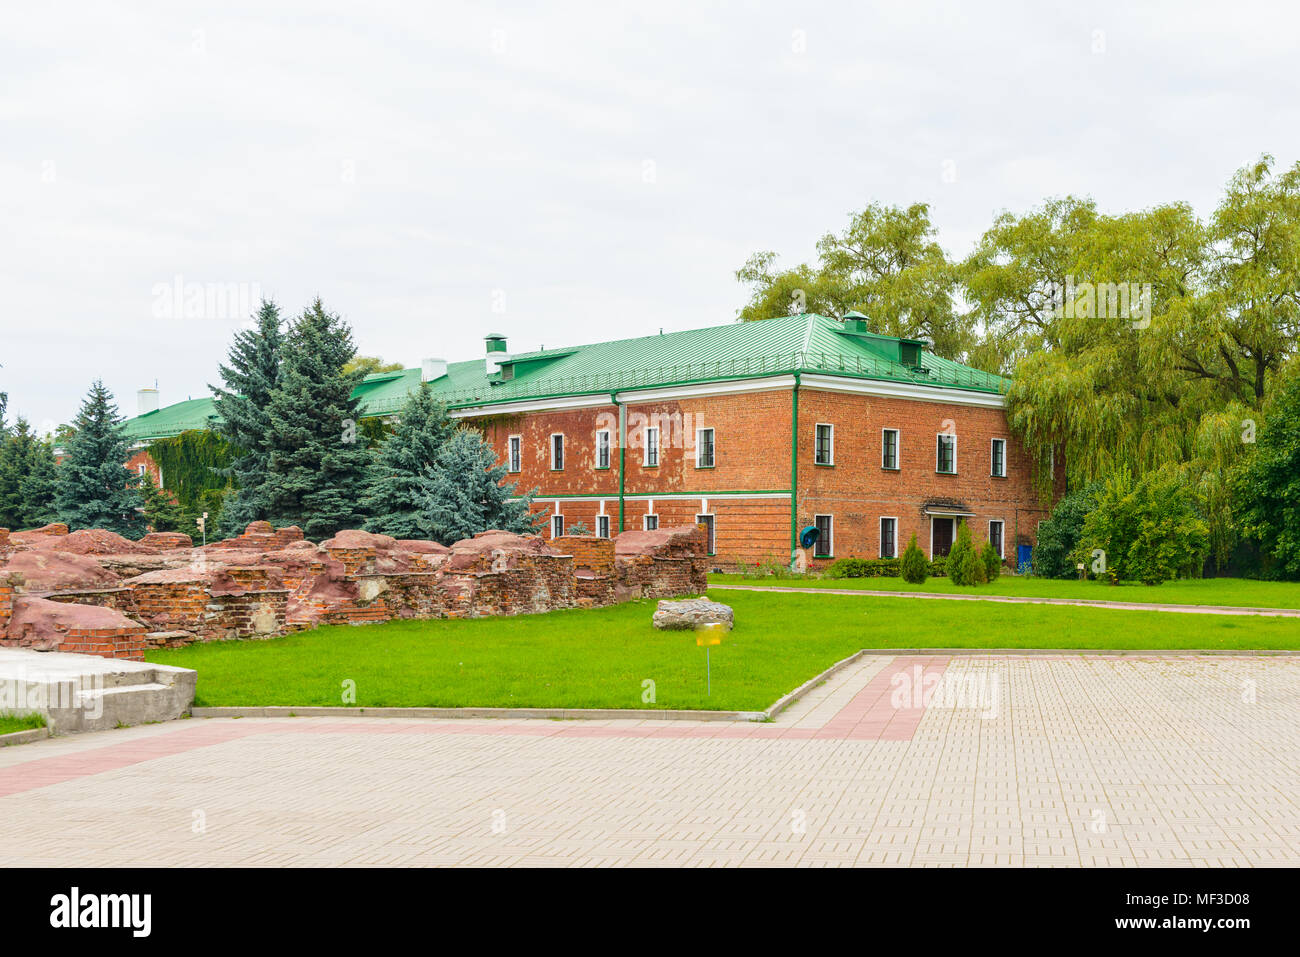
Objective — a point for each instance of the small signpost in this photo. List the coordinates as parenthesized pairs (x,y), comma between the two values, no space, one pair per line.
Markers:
(706,636)
(202,523)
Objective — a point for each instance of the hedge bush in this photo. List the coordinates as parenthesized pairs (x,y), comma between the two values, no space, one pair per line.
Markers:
(864,568)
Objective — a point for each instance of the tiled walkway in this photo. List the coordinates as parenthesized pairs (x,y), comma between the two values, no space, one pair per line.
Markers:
(923,761)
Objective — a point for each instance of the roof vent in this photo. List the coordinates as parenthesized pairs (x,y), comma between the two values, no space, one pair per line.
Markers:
(498,353)
(855,321)
(431,369)
(146,401)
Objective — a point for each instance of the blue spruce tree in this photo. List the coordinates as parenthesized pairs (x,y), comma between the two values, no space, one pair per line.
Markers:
(395,488)
(94,488)
(463,494)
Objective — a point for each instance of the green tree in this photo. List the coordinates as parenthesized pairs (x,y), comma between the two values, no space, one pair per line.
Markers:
(395,489)
(250,374)
(160,510)
(463,494)
(1145,529)
(316,468)
(1053,555)
(965,567)
(94,489)
(886,264)
(913,568)
(992,561)
(27,475)
(1267,484)
(369,365)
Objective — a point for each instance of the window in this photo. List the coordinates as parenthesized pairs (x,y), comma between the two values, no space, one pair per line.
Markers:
(825,445)
(602,449)
(516,457)
(557,452)
(825,529)
(889,448)
(707,522)
(651,446)
(141,468)
(998,458)
(651,522)
(704,448)
(995,535)
(557,526)
(602,526)
(945,456)
(889,538)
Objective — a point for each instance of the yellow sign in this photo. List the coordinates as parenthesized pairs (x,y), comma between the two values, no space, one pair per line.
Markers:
(709,635)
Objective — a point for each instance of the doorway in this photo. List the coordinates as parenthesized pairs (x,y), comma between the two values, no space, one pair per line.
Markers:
(941,535)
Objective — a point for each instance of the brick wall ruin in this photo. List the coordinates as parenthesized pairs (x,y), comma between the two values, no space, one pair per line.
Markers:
(96,593)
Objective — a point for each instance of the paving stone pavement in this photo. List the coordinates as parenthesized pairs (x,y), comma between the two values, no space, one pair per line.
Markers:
(922,761)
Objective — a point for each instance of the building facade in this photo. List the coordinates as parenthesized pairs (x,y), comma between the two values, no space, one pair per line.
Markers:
(756,430)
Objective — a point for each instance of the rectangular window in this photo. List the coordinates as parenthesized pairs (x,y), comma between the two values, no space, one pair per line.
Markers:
(998,458)
(889,448)
(704,448)
(707,522)
(945,456)
(557,452)
(602,526)
(995,535)
(557,526)
(516,453)
(825,445)
(602,449)
(941,536)
(651,446)
(889,538)
(650,522)
(825,530)
(141,468)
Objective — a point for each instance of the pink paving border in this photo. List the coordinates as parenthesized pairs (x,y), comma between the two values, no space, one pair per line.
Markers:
(870,716)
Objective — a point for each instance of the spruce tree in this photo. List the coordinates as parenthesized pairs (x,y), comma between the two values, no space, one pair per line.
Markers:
(914,567)
(316,466)
(395,488)
(26,479)
(250,375)
(94,488)
(162,512)
(463,494)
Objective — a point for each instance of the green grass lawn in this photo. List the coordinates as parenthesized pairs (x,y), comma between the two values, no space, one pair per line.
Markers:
(599,658)
(10,722)
(1238,592)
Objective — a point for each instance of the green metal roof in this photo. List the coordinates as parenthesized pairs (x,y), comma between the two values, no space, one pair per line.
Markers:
(738,350)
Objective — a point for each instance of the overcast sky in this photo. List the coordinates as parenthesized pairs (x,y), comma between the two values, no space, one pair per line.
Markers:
(561,173)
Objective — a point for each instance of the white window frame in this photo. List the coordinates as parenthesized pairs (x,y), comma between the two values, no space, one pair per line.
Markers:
(816,430)
(560,436)
(557,521)
(830,551)
(898,450)
(1002,539)
(602,520)
(699,447)
(880,536)
(945,435)
(609,449)
(515,453)
(992,458)
(645,521)
(711,546)
(647,449)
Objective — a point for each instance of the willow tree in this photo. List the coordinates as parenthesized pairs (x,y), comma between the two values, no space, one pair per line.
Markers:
(885,264)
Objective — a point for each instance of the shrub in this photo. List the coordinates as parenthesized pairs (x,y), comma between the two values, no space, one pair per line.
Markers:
(913,567)
(1267,484)
(1146,529)
(992,561)
(965,567)
(1058,536)
(578,528)
(864,568)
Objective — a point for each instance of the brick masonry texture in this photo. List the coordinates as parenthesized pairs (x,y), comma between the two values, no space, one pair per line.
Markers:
(269,582)
(752,434)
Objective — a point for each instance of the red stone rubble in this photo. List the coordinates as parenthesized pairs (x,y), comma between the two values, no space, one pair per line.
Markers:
(104,594)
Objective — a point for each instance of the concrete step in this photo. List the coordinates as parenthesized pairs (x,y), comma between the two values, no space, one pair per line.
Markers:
(88,693)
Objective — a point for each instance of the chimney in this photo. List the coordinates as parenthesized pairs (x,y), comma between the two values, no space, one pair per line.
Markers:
(497,352)
(431,369)
(147,401)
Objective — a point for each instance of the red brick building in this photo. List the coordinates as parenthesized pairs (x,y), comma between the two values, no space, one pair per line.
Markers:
(755,429)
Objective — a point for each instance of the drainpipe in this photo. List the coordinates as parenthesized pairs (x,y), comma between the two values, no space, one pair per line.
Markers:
(622,453)
(794,469)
